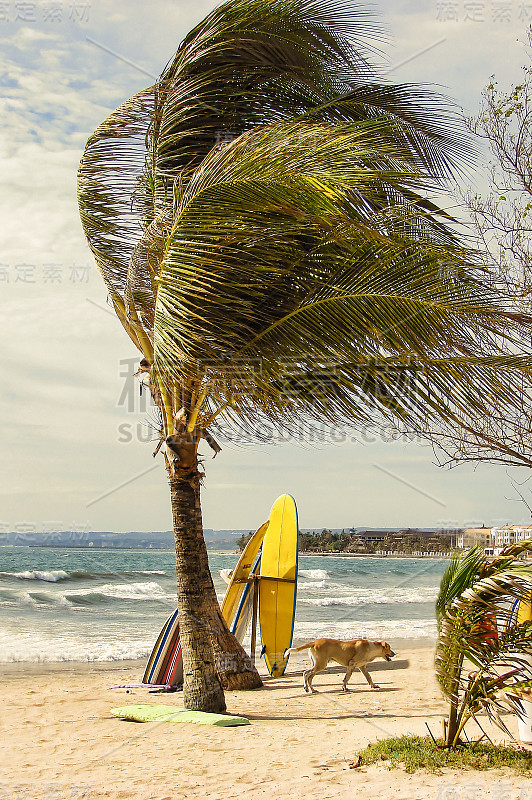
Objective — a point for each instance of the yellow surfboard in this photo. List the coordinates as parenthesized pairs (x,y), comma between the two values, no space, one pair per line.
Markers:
(278,582)
(524,613)
(238,581)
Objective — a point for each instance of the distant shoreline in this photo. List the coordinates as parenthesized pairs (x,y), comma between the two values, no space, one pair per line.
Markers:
(228,551)
(444,556)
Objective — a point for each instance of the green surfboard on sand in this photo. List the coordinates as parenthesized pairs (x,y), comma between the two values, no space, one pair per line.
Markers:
(154,712)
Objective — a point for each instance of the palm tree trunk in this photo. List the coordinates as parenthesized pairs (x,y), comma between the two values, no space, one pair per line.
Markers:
(233,665)
(453,722)
(213,660)
(452,725)
(202,689)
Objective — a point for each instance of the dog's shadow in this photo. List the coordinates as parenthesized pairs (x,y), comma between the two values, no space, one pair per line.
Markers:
(356,688)
(293,679)
(336,669)
(328,689)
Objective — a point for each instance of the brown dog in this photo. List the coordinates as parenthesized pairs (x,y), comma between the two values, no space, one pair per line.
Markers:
(352,655)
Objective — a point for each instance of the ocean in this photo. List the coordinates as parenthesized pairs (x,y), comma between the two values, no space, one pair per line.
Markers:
(60,605)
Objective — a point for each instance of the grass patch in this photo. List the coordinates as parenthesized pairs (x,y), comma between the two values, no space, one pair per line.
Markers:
(416,752)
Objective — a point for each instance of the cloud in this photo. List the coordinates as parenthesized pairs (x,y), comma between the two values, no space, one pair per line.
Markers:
(474,48)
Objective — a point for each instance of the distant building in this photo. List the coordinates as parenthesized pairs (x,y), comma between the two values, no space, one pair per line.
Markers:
(522,533)
(506,535)
(394,540)
(473,537)
(372,535)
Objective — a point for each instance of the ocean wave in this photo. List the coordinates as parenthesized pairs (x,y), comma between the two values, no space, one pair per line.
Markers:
(84,597)
(315,574)
(56,575)
(149,572)
(84,574)
(32,599)
(35,648)
(26,599)
(52,576)
(40,598)
(117,591)
(330,587)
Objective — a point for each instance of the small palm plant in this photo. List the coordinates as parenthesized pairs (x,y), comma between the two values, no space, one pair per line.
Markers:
(481,653)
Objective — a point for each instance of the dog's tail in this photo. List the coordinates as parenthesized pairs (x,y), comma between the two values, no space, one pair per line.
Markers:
(296,649)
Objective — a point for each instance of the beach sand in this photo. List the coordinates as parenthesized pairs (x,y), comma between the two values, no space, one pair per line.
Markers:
(59,740)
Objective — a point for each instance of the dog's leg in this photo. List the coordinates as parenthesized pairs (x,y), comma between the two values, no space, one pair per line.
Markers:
(309,673)
(349,672)
(367,676)
(307,678)
(306,674)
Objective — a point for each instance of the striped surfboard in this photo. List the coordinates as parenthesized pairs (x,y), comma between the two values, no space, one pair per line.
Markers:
(165,665)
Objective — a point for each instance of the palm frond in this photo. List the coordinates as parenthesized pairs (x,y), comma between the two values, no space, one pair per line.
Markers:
(514,582)
(461,573)
(253,62)
(113,210)
(427,123)
(287,215)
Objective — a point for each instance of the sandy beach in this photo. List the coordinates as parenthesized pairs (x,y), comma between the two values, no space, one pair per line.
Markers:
(60,741)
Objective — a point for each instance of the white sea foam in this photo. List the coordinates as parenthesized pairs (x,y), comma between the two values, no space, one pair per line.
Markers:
(314,574)
(122,591)
(302,586)
(38,649)
(396,629)
(27,600)
(52,576)
(34,648)
(327,586)
(353,629)
(356,597)
(150,572)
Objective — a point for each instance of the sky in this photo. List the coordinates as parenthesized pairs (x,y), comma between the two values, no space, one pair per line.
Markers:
(77,449)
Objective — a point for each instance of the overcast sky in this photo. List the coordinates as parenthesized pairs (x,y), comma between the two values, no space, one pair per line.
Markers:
(71,428)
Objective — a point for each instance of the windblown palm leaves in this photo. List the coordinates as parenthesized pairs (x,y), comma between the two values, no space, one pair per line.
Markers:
(260,218)
(482,652)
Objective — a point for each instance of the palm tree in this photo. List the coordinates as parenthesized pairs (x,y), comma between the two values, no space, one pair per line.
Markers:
(475,662)
(260,219)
